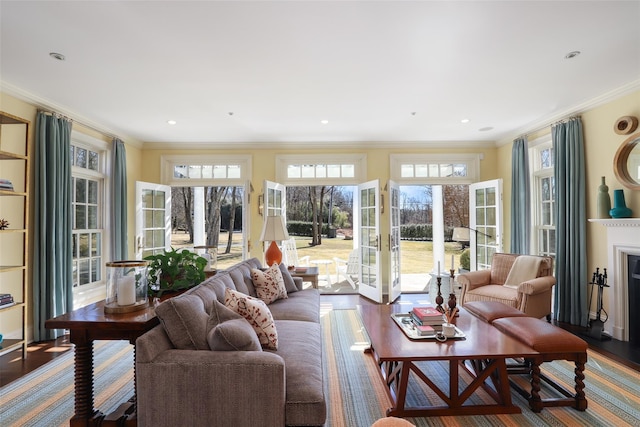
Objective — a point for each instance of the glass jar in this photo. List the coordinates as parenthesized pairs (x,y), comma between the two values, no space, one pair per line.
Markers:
(126,286)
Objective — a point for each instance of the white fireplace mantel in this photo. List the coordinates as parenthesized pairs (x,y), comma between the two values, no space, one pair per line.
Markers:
(623,239)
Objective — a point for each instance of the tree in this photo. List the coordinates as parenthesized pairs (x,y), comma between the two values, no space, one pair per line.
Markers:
(215,196)
(181,211)
(232,220)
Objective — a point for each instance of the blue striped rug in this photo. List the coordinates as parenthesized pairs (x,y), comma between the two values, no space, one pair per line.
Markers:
(354,390)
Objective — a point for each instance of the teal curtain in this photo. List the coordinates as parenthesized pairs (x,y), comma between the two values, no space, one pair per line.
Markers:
(520,198)
(119,202)
(52,264)
(571,253)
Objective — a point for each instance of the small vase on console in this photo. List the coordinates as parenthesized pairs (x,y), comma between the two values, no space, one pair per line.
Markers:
(604,201)
(620,209)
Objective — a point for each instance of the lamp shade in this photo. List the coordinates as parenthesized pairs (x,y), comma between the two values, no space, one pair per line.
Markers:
(274,230)
(460,234)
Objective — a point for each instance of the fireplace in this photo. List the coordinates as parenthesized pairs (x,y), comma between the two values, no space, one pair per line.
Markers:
(623,249)
(633,282)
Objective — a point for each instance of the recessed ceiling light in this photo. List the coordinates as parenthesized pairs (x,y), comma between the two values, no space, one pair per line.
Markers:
(324,122)
(413,113)
(230,113)
(572,54)
(487,128)
(58,56)
(171,122)
(465,121)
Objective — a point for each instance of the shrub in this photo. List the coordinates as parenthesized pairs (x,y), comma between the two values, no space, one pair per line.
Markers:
(465,259)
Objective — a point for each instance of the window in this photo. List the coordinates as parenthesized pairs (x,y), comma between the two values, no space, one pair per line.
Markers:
(321,169)
(204,170)
(88,180)
(435,168)
(543,203)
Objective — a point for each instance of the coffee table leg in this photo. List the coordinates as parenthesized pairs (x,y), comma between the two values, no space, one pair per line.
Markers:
(85,414)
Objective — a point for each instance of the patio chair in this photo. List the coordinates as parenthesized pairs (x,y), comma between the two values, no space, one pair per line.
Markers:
(348,268)
(290,254)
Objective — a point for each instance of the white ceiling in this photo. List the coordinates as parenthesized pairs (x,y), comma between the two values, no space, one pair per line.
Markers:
(269,72)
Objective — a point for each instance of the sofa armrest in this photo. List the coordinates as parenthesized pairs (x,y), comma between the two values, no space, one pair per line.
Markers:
(537,285)
(194,387)
(298,282)
(474,279)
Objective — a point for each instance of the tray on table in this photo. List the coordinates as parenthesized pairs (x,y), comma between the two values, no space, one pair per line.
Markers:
(409,328)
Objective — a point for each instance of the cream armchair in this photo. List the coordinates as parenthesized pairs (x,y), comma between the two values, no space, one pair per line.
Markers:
(531,296)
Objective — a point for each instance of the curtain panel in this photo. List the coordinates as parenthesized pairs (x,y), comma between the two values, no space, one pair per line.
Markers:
(570,303)
(119,198)
(520,198)
(53,258)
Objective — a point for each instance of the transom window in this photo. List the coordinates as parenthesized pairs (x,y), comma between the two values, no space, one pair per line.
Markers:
(435,168)
(205,170)
(321,169)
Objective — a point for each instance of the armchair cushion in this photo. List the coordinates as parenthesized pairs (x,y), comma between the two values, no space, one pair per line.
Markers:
(524,268)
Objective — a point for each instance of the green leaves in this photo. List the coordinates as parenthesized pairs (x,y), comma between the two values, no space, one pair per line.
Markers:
(174,270)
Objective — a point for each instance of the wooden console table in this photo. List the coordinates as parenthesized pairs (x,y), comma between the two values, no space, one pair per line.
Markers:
(86,325)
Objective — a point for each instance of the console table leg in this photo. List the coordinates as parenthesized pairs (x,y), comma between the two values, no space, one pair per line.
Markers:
(85,414)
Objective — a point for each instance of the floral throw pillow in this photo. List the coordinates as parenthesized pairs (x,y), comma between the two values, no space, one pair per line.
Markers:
(269,284)
(258,315)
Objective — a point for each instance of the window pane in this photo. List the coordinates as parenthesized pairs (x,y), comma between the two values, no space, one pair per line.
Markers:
(219,171)
(195,171)
(74,244)
(491,216)
(93,216)
(84,245)
(491,196)
(95,270)
(293,171)
(460,170)
(234,171)
(158,238)
(81,217)
(158,199)
(93,160)
(406,171)
(73,155)
(81,190)
(546,214)
(180,171)
(321,171)
(546,190)
(84,271)
(434,170)
(147,199)
(480,216)
(348,171)
(95,244)
(422,171)
(207,171)
(81,157)
(307,171)
(480,197)
(158,219)
(552,241)
(446,170)
(333,171)
(75,273)
(93,192)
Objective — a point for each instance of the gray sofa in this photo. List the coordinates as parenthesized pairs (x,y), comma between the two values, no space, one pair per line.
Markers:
(186,387)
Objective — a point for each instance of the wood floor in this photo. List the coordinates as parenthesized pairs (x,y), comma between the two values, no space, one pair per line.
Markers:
(12,366)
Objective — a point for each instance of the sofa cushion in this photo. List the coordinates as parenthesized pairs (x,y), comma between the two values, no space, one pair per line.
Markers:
(301,305)
(269,283)
(185,320)
(289,283)
(258,315)
(234,335)
(499,293)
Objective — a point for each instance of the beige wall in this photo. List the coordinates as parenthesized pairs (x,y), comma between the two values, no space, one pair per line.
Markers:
(601,144)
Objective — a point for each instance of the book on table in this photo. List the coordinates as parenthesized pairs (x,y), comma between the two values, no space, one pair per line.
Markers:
(426,315)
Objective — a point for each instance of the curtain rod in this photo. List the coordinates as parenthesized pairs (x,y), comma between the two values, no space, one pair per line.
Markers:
(538,129)
(62,116)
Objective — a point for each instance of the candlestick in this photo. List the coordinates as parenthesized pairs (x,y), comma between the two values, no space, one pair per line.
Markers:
(439,299)
(438,268)
(452,262)
(126,293)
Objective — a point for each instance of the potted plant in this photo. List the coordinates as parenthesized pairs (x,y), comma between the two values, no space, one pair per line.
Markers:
(174,270)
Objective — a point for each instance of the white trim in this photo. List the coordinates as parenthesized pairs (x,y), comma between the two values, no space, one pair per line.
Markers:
(169,161)
(471,160)
(358,160)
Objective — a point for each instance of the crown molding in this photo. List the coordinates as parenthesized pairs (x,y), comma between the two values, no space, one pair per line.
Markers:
(48,105)
(546,121)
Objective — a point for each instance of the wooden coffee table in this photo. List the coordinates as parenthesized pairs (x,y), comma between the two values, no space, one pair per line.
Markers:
(86,325)
(482,354)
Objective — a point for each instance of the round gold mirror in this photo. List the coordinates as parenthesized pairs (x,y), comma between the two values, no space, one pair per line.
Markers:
(626,163)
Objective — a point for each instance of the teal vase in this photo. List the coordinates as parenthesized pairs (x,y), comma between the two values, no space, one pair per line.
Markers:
(620,209)
(604,201)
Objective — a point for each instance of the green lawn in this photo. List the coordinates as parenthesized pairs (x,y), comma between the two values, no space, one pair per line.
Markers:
(416,255)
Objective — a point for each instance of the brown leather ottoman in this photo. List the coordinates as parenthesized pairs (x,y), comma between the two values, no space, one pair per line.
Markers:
(491,310)
(553,343)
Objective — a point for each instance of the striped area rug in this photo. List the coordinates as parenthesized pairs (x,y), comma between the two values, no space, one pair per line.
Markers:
(355,392)
(357,396)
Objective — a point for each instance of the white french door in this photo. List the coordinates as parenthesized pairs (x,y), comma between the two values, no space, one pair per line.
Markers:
(485,221)
(368,198)
(395,286)
(153,218)
(274,204)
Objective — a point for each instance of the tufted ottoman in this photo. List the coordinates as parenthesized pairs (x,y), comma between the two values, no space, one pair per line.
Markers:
(553,343)
(492,310)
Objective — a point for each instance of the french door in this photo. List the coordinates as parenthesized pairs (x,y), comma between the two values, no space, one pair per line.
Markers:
(485,221)
(153,219)
(368,209)
(395,286)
